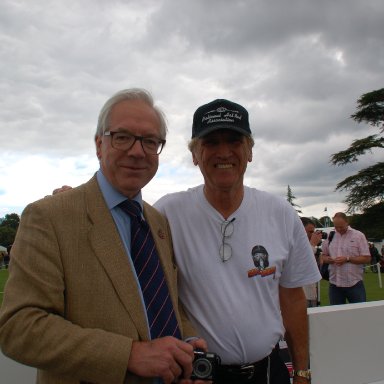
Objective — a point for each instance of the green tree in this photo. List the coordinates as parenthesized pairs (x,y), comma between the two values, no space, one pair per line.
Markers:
(366,188)
(290,198)
(326,221)
(370,222)
(8,228)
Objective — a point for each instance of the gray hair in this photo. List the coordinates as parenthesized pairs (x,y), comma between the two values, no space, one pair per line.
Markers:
(129,94)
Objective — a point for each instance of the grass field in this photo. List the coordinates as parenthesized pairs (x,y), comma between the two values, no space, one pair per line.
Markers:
(371,281)
(3,279)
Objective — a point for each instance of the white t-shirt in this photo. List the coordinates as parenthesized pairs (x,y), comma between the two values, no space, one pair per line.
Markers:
(234,305)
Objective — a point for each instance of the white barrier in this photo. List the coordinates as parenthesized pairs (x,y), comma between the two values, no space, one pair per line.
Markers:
(346,343)
(15,373)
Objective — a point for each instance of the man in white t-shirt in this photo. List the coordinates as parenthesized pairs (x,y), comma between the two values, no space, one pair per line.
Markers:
(243,256)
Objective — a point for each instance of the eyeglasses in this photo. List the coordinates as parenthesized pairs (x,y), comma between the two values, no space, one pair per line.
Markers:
(227,229)
(124,141)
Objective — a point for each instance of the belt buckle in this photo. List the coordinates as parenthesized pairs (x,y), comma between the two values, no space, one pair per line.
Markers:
(247,370)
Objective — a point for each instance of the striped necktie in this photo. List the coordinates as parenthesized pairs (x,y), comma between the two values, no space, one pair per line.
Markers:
(160,312)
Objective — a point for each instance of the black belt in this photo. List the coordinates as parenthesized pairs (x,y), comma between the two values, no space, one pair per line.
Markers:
(245,371)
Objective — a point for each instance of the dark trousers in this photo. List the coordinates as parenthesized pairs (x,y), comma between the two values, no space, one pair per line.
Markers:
(340,295)
(277,370)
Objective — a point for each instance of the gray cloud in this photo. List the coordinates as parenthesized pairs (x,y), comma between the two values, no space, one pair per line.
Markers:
(298,67)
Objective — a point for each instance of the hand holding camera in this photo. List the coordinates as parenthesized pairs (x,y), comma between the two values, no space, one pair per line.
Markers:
(317,237)
(205,365)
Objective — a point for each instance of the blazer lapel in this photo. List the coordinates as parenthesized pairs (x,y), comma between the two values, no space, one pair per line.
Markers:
(109,249)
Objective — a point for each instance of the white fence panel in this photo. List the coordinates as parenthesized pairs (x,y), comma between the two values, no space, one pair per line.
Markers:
(346,343)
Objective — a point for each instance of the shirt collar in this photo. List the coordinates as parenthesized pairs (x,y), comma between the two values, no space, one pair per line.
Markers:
(111,195)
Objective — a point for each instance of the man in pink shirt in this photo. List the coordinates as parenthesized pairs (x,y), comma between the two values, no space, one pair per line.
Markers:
(346,256)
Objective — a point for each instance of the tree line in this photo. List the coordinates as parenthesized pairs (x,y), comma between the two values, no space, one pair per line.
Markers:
(8,228)
(365,189)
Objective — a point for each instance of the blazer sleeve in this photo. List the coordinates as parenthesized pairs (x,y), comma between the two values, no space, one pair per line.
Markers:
(35,328)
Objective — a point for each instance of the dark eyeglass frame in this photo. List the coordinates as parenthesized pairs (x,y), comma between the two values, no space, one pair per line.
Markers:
(225,250)
(146,142)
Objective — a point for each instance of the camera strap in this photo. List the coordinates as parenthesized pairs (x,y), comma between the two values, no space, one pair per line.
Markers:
(330,238)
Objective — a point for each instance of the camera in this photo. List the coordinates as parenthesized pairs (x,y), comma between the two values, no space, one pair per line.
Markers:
(324,235)
(205,365)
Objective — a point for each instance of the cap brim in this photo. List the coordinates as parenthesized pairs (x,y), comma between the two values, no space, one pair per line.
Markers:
(209,130)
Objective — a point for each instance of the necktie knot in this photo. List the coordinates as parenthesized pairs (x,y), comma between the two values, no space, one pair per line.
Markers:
(132,208)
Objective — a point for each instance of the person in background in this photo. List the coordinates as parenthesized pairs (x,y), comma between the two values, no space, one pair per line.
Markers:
(346,256)
(2,255)
(7,256)
(382,259)
(314,237)
(75,305)
(243,256)
(375,257)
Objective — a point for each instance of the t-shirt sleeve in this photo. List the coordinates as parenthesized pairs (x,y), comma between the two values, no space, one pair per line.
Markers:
(300,267)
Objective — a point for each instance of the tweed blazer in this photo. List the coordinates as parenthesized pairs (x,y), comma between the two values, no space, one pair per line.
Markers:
(71,305)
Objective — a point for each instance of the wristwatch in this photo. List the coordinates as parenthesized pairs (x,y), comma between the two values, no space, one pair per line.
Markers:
(348,259)
(306,373)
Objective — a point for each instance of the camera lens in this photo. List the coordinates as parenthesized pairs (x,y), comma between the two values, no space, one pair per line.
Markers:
(202,368)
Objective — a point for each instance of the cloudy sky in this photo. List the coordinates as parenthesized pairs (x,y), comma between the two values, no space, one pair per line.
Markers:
(298,66)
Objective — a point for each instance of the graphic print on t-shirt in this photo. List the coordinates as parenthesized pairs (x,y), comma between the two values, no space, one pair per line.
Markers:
(260,259)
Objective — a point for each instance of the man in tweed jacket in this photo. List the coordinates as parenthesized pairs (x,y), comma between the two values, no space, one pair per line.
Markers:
(72,305)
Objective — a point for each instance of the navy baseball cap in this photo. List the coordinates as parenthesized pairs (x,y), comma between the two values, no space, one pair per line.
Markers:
(220,114)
